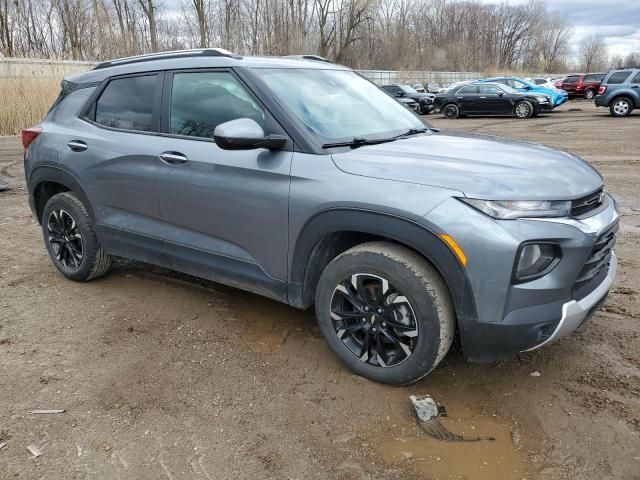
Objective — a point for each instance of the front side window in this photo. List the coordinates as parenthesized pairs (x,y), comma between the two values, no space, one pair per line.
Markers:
(540,81)
(407,89)
(572,79)
(200,101)
(127,103)
(338,104)
(618,77)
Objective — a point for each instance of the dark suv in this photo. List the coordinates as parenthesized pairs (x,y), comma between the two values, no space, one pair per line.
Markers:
(584,85)
(302,181)
(620,91)
(425,100)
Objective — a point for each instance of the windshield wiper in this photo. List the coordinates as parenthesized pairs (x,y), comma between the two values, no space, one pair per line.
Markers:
(360,141)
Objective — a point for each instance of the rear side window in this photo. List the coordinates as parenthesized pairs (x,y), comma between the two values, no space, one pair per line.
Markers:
(467,90)
(618,77)
(540,81)
(201,101)
(127,103)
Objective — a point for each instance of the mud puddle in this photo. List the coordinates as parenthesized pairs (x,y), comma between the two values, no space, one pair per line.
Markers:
(482,460)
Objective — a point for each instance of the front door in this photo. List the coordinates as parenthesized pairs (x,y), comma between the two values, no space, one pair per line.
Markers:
(225,213)
(492,101)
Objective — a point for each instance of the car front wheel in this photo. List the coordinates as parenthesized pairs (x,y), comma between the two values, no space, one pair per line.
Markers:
(385,312)
(70,239)
(523,109)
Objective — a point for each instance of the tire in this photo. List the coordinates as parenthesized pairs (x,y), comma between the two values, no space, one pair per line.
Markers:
(621,107)
(70,239)
(523,109)
(451,111)
(416,301)
(589,94)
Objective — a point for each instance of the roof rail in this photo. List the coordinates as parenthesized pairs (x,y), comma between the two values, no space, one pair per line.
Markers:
(316,58)
(205,52)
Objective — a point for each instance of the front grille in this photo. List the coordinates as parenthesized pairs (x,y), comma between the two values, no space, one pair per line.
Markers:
(597,265)
(586,204)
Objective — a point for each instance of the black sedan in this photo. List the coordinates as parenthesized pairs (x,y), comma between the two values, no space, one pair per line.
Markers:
(491,99)
(425,100)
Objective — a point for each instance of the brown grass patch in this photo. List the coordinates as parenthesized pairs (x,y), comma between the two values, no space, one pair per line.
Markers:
(24,101)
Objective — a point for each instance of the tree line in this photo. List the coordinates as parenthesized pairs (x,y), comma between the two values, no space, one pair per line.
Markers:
(456,35)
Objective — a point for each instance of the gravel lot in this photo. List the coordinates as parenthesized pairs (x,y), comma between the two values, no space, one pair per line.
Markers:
(166,376)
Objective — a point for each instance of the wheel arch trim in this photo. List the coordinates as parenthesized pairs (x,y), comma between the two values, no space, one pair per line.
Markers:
(392,227)
(47,173)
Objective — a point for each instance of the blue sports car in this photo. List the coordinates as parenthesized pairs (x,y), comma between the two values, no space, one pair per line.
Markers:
(558,96)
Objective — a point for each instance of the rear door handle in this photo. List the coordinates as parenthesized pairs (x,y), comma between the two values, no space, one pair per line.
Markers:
(77,146)
(173,158)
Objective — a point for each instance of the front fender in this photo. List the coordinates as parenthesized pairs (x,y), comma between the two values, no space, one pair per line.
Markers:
(410,233)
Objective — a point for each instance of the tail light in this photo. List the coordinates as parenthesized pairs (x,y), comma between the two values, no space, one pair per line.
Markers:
(29,135)
(602,89)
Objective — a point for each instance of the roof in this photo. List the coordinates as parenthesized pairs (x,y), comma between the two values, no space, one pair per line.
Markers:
(198,58)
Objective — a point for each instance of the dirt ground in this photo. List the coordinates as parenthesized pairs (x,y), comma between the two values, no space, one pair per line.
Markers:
(166,376)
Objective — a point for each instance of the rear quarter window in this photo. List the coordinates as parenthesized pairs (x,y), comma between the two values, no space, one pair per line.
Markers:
(636,79)
(127,103)
(618,77)
(593,78)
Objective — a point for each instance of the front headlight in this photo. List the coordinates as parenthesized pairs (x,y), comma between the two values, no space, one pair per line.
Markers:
(543,99)
(511,209)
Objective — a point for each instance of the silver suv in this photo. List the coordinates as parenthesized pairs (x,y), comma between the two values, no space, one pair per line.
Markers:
(300,180)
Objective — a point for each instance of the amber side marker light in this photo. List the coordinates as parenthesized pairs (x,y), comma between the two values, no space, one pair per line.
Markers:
(453,245)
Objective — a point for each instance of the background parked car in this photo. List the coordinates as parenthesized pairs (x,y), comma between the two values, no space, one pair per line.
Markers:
(582,85)
(620,91)
(491,99)
(418,87)
(409,103)
(543,82)
(521,85)
(425,100)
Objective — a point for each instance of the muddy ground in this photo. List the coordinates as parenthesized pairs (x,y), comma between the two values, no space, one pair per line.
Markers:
(166,376)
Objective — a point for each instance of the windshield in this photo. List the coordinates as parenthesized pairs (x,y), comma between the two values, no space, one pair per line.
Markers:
(407,89)
(338,104)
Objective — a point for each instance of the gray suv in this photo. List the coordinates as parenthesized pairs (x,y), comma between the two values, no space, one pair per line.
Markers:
(620,91)
(300,180)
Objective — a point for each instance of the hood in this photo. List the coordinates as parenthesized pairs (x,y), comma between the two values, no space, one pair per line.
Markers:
(479,166)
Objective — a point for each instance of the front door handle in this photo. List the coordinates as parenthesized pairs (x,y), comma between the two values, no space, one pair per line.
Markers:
(173,158)
(77,146)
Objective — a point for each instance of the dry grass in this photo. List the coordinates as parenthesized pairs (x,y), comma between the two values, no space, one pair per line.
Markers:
(24,101)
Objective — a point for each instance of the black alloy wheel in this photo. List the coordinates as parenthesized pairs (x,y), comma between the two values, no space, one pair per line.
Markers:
(374,320)
(65,239)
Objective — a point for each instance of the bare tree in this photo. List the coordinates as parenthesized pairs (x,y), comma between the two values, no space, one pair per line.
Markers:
(593,53)
(149,10)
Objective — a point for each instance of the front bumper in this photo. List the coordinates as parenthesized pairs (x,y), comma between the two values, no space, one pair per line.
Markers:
(514,317)
(575,313)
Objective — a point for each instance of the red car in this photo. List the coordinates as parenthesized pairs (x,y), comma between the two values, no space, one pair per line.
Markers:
(583,85)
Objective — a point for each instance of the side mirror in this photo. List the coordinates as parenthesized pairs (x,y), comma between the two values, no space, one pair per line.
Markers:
(500,94)
(245,134)
(400,94)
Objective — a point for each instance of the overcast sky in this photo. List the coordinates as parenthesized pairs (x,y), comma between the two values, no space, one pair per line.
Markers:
(618,21)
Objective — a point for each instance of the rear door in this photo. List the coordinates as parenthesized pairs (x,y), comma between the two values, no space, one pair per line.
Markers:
(467,99)
(111,150)
(225,213)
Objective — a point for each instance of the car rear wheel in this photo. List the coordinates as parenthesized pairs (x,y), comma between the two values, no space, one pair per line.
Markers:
(451,111)
(385,312)
(70,239)
(523,109)
(621,107)
(589,94)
